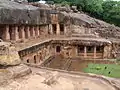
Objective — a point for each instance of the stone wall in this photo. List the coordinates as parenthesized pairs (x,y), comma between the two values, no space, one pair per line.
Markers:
(36,54)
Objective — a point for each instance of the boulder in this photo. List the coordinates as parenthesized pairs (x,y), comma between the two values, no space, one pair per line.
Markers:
(63,8)
(20,1)
(16,13)
(74,8)
(9,73)
(8,54)
(19,71)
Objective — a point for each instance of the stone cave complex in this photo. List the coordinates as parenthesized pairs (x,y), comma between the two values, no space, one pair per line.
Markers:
(42,34)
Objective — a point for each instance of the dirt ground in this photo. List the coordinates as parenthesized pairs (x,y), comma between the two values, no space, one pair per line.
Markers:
(47,80)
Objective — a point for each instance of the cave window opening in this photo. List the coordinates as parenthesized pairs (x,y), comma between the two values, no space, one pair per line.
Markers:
(90,49)
(28,61)
(61,29)
(80,49)
(58,49)
(35,59)
(54,28)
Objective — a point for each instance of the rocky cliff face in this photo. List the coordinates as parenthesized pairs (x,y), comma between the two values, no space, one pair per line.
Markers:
(15,13)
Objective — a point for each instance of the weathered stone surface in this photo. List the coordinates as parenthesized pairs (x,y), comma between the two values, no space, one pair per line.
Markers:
(5,75)
(51,79)
(41,5)
(13,72)
(8,54)
(15,13)
(64,82)
(19,71)
(94,25)
(20,1)
(63,8)
(81,19)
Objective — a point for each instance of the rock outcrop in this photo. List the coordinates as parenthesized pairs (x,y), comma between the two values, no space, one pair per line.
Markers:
(19,71)
(15,13)
(8,54)
(9,73)
(20,1)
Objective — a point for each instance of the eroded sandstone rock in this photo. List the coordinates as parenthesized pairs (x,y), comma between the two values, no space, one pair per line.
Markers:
(51,79)
(8,54)
(5,75)
(10,73)
(16,13)
(19,71)
(20,1)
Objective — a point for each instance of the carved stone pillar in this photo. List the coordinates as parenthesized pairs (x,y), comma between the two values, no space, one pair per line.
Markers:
(27,32)
(32,31)
(14,33)
(65,29)
(6,33)
(37,31)
(51,29)
(58,29)
(85,51)
(94,51)
(22,32)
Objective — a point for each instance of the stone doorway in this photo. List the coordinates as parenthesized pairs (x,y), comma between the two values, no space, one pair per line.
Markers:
(61,29)
(1,32)
(58,49)
(28,61)
(54,28)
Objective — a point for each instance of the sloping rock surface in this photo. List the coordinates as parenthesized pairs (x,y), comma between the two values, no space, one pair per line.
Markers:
(15,13)
(35,81)
(104,29)
(9,73)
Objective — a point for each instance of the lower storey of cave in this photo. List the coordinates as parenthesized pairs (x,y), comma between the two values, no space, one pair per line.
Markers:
(72,64)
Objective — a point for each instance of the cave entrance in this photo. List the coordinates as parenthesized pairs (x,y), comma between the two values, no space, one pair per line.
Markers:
(2,32)
(54,27)
(61,29)
(35,59)
(28,61)
(58,49)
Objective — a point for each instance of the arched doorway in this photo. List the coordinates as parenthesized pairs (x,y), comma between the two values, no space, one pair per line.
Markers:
(28,61)
(54,27)
(61,29)
(2,32)
(58,49)
(35,59)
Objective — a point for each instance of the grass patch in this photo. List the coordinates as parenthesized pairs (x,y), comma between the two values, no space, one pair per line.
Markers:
(110,70)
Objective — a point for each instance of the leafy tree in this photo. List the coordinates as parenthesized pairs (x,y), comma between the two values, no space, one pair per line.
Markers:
(111,12)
